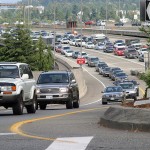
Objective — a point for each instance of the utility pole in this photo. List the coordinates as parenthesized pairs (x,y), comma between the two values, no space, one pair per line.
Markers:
(81,29)
(54,34)
(106,15)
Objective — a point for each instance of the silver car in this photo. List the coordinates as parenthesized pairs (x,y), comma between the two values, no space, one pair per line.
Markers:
(113,94)
(130,90)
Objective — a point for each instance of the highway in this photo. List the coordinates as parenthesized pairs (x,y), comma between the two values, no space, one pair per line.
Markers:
(57,128)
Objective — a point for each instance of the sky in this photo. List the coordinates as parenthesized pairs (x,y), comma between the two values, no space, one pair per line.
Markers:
(9,1)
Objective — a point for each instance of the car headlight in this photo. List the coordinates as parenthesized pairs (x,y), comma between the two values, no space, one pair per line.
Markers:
(8,88)
(63,89)
(37,90)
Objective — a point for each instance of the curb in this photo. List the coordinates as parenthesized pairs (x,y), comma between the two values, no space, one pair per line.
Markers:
(132,119)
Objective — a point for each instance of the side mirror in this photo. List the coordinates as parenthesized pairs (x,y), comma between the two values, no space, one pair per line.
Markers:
(73,81)
(102,91)
(25,76)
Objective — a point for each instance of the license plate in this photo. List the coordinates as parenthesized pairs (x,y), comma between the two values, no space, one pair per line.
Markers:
(111,98)
(49,97)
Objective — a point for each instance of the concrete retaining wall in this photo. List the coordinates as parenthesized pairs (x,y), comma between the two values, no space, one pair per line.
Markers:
(126,118)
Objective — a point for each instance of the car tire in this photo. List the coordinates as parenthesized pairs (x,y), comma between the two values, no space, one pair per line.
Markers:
(42,106)
(104,103)
(69,104)
(135,98)
(18,107)
(76,104)
(32,108)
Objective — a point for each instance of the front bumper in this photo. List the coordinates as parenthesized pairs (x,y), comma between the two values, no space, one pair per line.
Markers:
(113,99)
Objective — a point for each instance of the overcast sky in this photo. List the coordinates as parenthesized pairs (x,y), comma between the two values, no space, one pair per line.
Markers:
(9,1)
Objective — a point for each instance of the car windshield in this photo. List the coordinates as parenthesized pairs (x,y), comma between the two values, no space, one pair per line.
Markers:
(66,47)
(9,71)
(127,86)
(121,49)
(120,74)
(53,78)
(94,59)
(107,69)
(113,89)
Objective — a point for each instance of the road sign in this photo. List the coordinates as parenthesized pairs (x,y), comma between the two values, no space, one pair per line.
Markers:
(147,10)
(80,61)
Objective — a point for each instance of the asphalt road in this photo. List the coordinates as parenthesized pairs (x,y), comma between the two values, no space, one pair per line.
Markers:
(41,131)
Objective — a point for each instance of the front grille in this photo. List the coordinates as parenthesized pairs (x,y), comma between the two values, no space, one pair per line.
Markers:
(50,90)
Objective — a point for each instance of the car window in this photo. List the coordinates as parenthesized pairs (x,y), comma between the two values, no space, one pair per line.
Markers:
(127,86)
(53,78)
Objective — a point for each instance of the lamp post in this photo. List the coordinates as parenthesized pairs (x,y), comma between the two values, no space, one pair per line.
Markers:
(81,29)
(106,15)
(54,33)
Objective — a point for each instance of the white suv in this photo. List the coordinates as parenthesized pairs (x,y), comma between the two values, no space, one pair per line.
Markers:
(17,87)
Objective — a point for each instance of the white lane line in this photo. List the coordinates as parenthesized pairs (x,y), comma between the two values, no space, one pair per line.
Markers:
(7,134)
(92,102)
(70,143)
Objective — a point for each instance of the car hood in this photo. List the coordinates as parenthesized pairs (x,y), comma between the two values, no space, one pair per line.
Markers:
(113,93)
(10,80)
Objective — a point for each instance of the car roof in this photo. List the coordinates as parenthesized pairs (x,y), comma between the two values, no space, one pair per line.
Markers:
(12,63)
(55,72)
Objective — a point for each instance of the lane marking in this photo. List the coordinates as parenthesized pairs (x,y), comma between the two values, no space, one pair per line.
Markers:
(16,128)
(7,134)
(79,143)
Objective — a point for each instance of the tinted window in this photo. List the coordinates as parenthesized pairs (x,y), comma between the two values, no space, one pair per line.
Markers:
(113,89)
(127,86)
(53,78)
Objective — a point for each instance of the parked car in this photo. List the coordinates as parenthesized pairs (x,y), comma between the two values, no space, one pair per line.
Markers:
(101,23)
(135,23)
(57,87)
(17,87)
(113,94)
(89,22)
(92,61)
(119,24)
(58,48)
(130,53)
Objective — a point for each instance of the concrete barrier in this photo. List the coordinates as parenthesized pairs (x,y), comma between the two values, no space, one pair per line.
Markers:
(78,72)
(134,119)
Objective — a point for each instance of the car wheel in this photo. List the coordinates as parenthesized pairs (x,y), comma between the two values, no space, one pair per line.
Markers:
(32,108)
(76,104)
(42,106)
(104,103)
(69,104)
(18,107)
(135,98)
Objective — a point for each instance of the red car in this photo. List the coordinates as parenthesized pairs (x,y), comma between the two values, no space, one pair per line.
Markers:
(119,51)
(58,49)
(89,23)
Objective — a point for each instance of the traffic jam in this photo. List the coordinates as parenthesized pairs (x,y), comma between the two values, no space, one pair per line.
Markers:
(122,87)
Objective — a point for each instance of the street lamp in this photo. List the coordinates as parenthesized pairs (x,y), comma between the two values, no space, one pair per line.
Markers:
(106,15)
(54,33)
(81,29)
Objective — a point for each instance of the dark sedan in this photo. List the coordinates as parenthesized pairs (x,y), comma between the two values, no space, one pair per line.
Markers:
(113,94)
(119,24)
(109,49)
